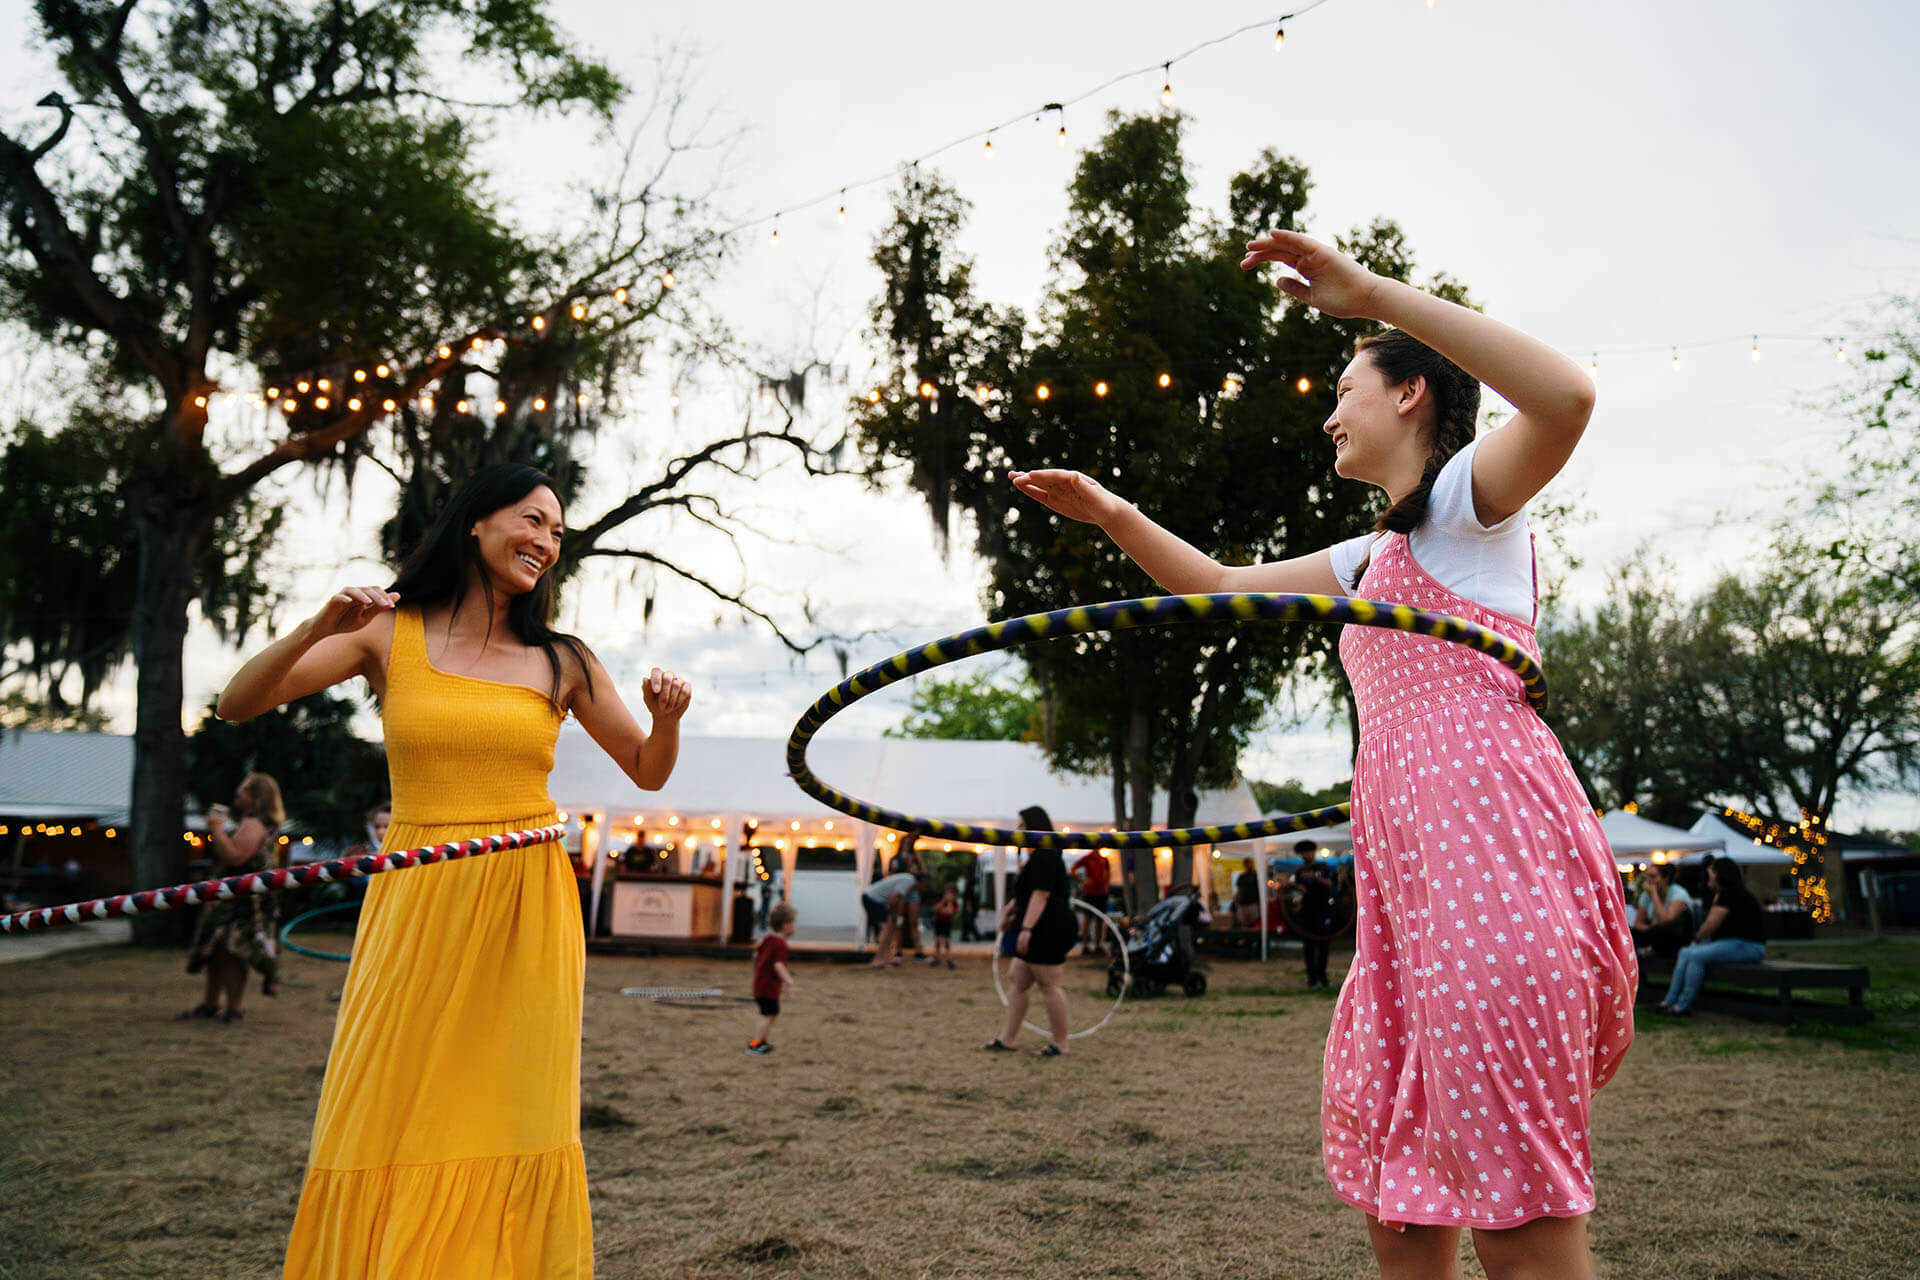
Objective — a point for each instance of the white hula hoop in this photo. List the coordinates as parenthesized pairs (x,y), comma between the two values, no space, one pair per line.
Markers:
(1126,974)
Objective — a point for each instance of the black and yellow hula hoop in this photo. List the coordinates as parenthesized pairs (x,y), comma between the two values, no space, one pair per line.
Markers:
(1123,615)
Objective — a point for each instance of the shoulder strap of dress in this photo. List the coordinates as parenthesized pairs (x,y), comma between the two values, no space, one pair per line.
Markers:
(409,646)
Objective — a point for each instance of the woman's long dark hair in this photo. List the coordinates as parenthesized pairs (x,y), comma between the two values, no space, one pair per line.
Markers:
(1456,407)
(436,572)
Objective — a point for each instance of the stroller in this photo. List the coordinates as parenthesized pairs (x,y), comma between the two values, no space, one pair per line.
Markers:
(1162,954)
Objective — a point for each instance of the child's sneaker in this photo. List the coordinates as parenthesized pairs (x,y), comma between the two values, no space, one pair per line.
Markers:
(759,1048)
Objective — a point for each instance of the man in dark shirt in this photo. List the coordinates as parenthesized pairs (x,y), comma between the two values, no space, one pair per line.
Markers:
(1314,883)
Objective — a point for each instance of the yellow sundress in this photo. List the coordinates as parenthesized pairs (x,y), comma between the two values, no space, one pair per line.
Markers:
(447,1143)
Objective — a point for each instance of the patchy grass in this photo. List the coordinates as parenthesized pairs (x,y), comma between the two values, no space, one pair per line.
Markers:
(1183,1140)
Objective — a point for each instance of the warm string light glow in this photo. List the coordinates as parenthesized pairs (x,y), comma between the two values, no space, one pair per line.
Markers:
(1805,843)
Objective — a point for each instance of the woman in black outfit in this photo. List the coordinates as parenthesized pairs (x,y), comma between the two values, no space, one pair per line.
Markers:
(1037,932)
(1734,932)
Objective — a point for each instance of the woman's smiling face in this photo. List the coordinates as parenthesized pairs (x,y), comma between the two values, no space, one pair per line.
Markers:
(521,540)
(1371,422)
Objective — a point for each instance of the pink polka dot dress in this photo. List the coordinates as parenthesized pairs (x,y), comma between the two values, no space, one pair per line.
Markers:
(1492,984)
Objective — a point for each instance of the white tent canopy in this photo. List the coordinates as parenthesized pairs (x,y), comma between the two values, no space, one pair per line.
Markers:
(1737,845)
(721,783)
(1631,836)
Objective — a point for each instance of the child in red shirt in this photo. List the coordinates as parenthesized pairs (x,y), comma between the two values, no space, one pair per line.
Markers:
(771,977)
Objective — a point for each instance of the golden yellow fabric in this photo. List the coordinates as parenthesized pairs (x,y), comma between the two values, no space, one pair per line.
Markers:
(447,1143)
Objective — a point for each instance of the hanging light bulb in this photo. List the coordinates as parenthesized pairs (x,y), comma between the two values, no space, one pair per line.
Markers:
(841,217)
(873,396)
(1840,353)
(987,152)
(579,311)
(359,375)
(288,405)
(499,406)
(382,371)
(445,353)
(1166,379)
(620,294)
(388,406)
(1593,367)
(354,404)
(1279,39)
(1676,359)
(199,402)
(1166,90)
(462,406)
(320,402)
(666,281)
(539,324)
(1100,388)
(273,393)
(926,390)
(775,237)
(325,384)
(540,404)
(1043,391)
(1754,355)
(1304,385)
(674,400)
(581,399)
(302,387)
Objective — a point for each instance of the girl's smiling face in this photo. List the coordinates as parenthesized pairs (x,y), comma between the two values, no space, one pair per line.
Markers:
(1376,426)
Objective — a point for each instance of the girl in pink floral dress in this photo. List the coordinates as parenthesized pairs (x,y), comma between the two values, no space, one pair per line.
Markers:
(1491,990)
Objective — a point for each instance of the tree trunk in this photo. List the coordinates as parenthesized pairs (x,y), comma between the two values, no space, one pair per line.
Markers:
(1143,886)
(171,538)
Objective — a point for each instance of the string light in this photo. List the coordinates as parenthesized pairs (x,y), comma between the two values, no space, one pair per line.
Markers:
(461,406)
(1100,388)
(446,353)
(1166,90)
(927,390)
(539,324)
(499,406)
(288,405)
(1754,355)
(1840,353)
(1676,359)
(1166,379)
(841,217)
(873,396)
(620,295)
(200,402)
(1593,366)
(666,281)
(320,402)
(539,404)
(354,404)
(1043,391)
(775,238)
(986,152)
(388,406)
(324,384)
(1304,385)
(359,375)
(302,387)
(382,371)
(1279,39)
(579,311)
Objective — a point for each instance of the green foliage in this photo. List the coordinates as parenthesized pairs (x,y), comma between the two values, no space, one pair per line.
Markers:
(975,708)
(1144,284)
(1293,797)
(328,777)
(1774,690)
(68,558)
(1875,501)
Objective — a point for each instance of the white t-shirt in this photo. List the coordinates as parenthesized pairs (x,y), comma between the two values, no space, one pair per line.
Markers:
(1491,565)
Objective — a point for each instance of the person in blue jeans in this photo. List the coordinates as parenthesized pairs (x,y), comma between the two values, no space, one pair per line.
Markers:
(1732,933)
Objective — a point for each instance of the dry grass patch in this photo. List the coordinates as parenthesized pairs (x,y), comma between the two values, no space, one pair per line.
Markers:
(878,1141)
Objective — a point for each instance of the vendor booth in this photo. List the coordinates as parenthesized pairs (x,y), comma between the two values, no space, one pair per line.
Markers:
(730,830)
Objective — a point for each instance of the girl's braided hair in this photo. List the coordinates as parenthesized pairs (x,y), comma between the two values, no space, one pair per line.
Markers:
(1456,407)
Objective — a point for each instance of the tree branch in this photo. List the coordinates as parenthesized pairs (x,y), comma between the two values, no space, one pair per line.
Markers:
(733,598)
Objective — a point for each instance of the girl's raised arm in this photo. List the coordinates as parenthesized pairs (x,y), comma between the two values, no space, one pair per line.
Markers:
(1551,395)
(1178,566)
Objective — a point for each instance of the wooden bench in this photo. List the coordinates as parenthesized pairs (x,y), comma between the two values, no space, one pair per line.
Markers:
(1781,978)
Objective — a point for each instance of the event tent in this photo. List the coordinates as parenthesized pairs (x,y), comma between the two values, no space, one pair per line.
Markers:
(721,785)
(1738,845)
(1631,836)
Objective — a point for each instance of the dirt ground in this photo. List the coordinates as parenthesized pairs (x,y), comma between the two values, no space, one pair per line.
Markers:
(877,1140)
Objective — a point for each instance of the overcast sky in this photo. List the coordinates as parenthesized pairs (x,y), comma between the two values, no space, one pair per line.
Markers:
(1617,178)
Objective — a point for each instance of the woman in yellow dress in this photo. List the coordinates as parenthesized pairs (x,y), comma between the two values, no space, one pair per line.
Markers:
(447,1143)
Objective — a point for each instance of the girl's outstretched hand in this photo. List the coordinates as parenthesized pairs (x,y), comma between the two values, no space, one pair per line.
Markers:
(1334,283)
(351,609)
(1073,494)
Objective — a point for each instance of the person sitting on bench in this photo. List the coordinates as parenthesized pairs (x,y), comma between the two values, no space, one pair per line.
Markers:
(1663,915)
(1732,933)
